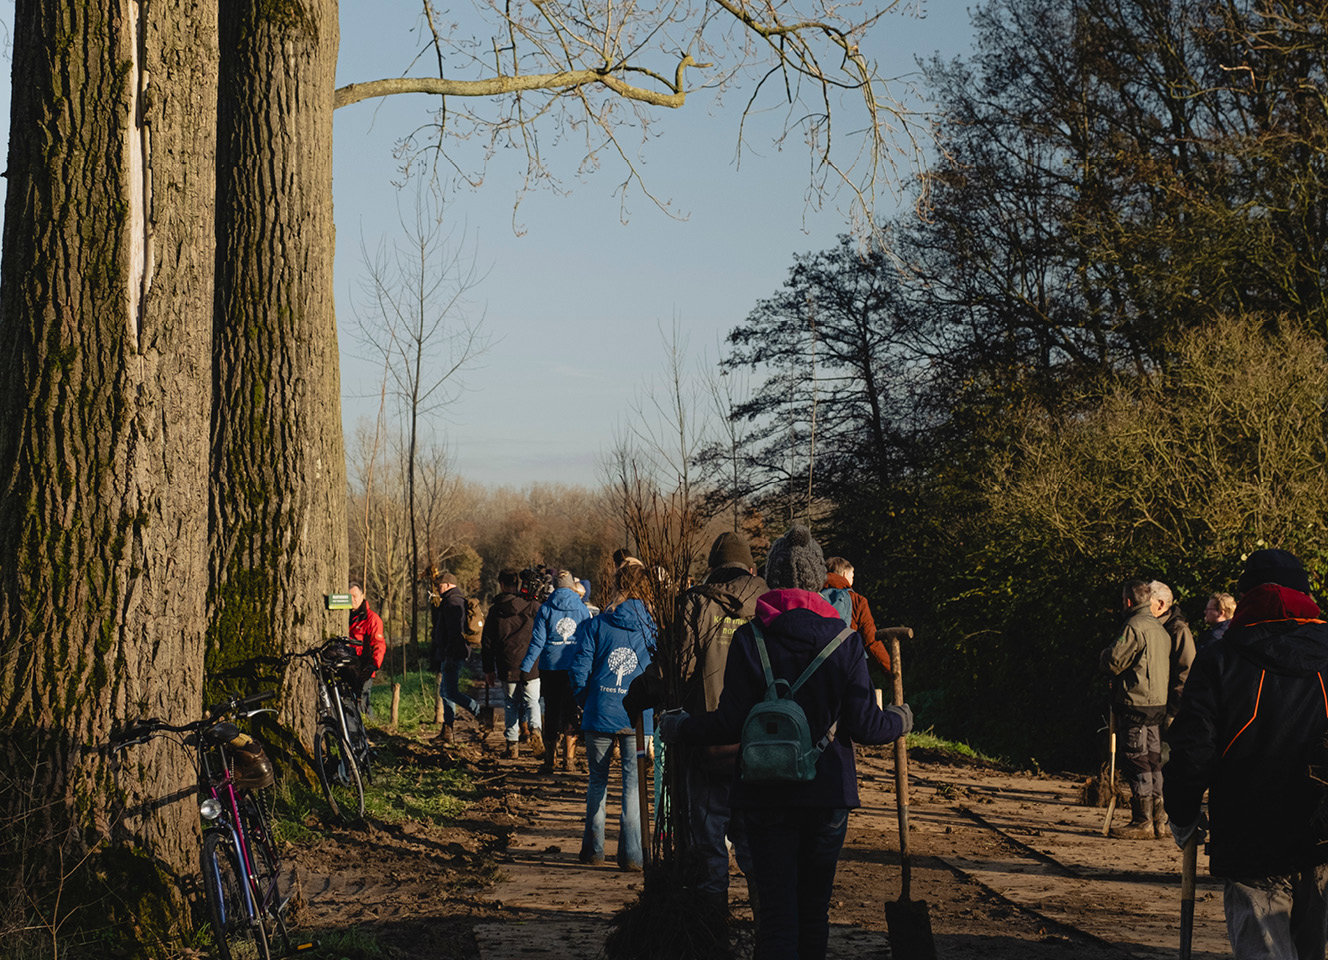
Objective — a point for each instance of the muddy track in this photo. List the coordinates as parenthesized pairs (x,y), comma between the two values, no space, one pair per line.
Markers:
(1010,865)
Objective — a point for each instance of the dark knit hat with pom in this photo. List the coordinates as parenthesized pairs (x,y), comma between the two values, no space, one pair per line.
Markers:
(795,560)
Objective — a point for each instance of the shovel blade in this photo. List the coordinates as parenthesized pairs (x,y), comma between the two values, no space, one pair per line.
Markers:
(909,927)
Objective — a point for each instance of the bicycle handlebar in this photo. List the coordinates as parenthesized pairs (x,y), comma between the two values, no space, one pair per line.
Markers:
(145,728)
(237,704)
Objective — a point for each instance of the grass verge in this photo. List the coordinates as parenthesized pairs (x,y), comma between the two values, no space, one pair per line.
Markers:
(927,743)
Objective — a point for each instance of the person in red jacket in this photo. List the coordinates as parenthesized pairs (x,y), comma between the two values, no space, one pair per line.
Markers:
(367,640)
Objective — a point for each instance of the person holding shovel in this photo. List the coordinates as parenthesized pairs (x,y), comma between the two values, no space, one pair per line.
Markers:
(795,830)
(1251,731)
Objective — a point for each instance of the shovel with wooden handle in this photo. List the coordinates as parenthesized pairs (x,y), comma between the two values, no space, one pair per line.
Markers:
(906,920)
(1189,863)
(1111,767)
(642,789)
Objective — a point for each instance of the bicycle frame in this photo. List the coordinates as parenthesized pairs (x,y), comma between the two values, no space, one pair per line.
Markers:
(330,705)
(220,806)
(222,790)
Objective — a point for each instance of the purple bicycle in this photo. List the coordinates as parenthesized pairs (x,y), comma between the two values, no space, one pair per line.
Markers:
(239,859)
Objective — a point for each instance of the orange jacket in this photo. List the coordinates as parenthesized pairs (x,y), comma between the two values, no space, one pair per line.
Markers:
(862,620)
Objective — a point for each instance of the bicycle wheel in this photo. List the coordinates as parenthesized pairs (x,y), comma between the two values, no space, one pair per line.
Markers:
(339,773)
(356,735)
(267,869)
(239,935)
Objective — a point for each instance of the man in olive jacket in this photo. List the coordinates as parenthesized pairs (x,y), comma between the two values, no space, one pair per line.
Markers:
(711,612)
(1140,662)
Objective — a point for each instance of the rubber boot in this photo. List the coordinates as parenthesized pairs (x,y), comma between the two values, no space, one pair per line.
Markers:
(550,749)
(536,742)
(1160,831)
(1140,826)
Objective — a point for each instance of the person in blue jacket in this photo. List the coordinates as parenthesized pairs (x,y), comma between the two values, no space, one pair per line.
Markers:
(795,830)
(612,650)
(551,646)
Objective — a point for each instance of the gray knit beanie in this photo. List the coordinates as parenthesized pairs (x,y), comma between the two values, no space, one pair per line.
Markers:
(564,581)
(795,560)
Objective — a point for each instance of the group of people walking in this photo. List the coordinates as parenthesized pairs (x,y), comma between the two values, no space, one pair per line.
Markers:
(565,667)
(559,658)
(1244,714)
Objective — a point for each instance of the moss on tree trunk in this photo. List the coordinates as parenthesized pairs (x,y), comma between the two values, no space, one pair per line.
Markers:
(278,519)
(104,309)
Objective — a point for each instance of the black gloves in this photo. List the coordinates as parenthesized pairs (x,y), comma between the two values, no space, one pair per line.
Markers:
(644,693)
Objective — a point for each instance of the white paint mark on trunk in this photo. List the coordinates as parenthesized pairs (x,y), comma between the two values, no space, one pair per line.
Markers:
(138,151)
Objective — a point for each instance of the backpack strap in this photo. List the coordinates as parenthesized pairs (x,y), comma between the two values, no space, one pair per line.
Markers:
(821,657)
(765,658)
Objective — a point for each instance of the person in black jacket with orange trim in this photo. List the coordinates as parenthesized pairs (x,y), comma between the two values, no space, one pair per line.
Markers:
(1252,720)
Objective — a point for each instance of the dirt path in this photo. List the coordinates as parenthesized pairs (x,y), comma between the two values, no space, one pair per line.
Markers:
(1012,868)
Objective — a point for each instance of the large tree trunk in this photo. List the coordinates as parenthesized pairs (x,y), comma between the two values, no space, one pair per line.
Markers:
(105,317)
(278,534)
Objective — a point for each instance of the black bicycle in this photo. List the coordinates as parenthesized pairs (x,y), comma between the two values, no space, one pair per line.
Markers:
(342,755)
(239,862)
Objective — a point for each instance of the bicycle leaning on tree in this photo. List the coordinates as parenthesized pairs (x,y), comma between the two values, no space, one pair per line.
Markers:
(240,866)
(342,755)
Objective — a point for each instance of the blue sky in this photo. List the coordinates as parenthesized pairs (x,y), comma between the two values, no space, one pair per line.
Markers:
(573,304)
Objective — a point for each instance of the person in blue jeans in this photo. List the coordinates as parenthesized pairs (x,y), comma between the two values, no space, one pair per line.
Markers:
(612,649)
(795,830)
(449,650)
(552,643)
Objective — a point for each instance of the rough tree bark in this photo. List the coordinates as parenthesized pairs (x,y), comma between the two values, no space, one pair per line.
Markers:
(105,315)
(278,471)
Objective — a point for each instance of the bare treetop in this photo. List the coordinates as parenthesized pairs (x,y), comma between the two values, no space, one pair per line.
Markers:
(551,70)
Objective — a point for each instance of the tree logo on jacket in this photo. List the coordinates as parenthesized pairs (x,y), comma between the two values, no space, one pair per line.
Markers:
(565,628)
(622,660)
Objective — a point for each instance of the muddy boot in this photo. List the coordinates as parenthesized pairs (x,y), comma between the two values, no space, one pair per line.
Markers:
(1140,826)
(525,732)
(512,751)
(1160,831)
(536,742)
(444,735)
(569,758)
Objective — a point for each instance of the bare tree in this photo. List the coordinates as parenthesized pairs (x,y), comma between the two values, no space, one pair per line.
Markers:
(593,68)
(417,318)
(722,459)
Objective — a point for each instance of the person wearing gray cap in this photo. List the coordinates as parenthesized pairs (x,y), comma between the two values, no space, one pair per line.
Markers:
(1251,731)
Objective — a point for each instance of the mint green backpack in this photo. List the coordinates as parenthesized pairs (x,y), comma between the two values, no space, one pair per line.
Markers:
(777,744)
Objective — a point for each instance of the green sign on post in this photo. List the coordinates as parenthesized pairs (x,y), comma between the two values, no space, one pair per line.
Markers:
(337,601)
